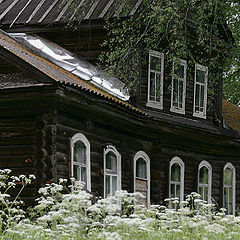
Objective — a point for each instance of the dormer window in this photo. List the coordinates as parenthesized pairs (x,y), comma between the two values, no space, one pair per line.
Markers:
(178,86)
(155,80)
(200,91)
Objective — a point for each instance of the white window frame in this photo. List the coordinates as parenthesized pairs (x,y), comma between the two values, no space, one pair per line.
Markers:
(145,157)
(205,84)
(209,184)
(106,150)
(232,168)
(174,108)
(150,103)
(80,137)
(182,167)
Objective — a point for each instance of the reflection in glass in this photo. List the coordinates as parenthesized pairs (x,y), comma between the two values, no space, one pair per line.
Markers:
(175,172)
(111,162)
(141,168)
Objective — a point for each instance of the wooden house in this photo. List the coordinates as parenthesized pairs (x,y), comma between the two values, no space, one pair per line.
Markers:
(62,117)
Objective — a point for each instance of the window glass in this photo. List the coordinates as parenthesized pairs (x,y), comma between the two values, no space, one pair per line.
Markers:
(152,86)
(158,87)
(175,172)
(155,64)
(111,162)
(172,190)
(179,70)
(84,174)
(79,152)
(230,200)
(225,197)
(178,191)
(107,183)
(228,177)
(141,168)
(75,172)
(114,185)
(200,76)
(203,175)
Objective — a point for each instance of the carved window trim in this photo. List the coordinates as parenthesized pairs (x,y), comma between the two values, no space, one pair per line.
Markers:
(232,168)
(174,108)
(209,184)
(151,103)
(181,183)
(145,157)
(80,137)
(196,113)
(106,150)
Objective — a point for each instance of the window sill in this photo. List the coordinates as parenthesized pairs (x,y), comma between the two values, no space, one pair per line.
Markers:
(196,114)
(154,105)
(176,110)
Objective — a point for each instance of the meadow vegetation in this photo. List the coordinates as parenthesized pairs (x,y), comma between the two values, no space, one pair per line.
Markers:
(66,212)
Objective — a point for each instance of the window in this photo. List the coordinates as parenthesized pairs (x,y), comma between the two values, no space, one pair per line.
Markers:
(176,178)
(112,171)
(155,80)
(142,175)
(229,179)
(200,91)
(80,159)
(205,181)
(178,86)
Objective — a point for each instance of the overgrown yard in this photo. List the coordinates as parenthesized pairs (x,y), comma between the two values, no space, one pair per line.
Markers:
(75,215)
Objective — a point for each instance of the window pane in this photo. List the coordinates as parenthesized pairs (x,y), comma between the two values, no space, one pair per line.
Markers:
(75,172)
(200,191)
(114,185)
(175,92)
(200,76)
(203,175)
(84,174)
(175,172)
(172,190)
(228,177)
(79,152)
(158,87)
(197,97)
(141,168)
(107,185)
(202,96)
(225,202)
(178,191)
(230,201)
(111,162)
(155,63)
(152,87)
(179,70)
(180,92)
(205,194)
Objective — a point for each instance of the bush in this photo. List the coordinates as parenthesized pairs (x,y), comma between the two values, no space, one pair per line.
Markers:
(68,212)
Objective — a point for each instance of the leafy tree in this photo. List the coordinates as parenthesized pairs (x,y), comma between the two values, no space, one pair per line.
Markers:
(194,30)
(231,84)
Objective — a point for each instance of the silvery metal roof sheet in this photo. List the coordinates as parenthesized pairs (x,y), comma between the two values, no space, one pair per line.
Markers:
(73,64)
(15,12)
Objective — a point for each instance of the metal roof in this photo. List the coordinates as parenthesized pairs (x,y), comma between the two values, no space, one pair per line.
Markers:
(22,12)
(73,64)
(54,71)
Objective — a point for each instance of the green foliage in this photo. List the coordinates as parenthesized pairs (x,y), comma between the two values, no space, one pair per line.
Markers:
(231,83)
(194,30)
(67,212)
(190,30)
